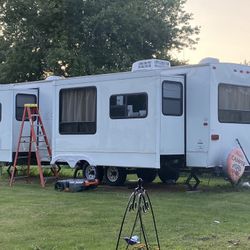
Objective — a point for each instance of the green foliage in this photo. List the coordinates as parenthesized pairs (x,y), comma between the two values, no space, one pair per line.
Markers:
(77,37)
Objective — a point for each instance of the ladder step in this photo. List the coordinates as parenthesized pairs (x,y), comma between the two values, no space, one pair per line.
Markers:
(42,148)
(41,135)
(22,157)
(21,177)
(36,131)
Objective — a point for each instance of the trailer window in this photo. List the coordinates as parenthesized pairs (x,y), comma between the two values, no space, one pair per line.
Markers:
(172,98)
(22,99)
(126,106)
(78,111)
(234,104)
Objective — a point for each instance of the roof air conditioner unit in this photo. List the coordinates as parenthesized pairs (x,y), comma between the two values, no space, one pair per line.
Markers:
(151,64)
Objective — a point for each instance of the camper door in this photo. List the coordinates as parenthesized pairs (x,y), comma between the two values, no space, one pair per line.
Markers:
(6,121)
(173,115)
(21,97)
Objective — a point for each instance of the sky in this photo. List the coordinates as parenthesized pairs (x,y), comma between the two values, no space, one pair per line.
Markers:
(224,30)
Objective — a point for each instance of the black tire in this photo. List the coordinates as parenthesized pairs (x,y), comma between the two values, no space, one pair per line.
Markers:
(90,172)
(146,174)
(169,172)
(115,176)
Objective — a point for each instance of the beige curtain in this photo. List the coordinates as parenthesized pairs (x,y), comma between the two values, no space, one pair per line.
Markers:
(78,105)
(234,97)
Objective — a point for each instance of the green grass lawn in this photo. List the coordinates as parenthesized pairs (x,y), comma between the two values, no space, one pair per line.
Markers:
(217,217)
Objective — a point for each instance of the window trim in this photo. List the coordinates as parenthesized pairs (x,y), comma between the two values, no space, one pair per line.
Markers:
(60,111)
(233,85)
(23,94)
(127,117)
(181,99)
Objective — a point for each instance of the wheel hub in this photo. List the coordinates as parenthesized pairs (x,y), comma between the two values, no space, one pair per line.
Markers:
(112,174)
(90,172)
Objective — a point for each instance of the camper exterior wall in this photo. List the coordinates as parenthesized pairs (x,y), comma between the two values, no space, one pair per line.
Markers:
(236,75)
(198,116)
(197,103)
(6,121)
(202,121)
(44,96)
(10,125)
(130,142)
(137,142)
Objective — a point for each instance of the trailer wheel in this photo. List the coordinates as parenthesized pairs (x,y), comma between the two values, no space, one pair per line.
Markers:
(169,172)
(115,176)
(146,174)
(84,170)
(89,172)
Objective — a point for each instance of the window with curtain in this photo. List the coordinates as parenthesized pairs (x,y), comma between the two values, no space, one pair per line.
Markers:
(172,98)
(126,106)
(233,103)
(22,99)
(78,111)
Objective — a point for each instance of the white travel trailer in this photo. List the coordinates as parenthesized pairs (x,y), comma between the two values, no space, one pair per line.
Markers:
(12,100)
(155,118)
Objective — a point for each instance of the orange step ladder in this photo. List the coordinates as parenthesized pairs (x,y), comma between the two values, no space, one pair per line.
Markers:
(37,135)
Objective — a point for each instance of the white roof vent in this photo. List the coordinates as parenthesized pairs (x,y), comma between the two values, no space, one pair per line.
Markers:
(209,60)
(150,64)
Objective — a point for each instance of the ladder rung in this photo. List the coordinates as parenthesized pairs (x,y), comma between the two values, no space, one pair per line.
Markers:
(36,131)
(39,125)
(21,177)
(22,157)
(42,150)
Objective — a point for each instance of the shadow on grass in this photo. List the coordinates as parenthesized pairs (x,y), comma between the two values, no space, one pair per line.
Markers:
(208,184)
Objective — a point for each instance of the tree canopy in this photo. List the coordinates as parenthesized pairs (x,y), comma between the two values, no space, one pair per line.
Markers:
(79,37)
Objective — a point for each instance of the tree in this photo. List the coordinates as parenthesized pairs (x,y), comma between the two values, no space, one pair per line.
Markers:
(79,37)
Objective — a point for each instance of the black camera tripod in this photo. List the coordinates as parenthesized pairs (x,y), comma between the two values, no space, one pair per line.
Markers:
(139,203)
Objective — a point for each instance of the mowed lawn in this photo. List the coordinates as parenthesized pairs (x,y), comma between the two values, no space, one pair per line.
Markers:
(216,217)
